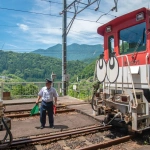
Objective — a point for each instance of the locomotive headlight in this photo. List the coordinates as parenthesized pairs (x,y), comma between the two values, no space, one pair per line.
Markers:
(140,16)
(108,29)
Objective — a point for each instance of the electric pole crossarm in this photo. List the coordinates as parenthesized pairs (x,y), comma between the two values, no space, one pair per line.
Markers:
(86,6)
(70,24)
(68,7)
(82,3)
(75,4)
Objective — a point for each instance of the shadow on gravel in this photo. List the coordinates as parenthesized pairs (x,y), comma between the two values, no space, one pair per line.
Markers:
(61,127)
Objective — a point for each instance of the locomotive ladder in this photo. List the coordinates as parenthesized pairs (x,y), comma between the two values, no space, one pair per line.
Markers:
(140,109)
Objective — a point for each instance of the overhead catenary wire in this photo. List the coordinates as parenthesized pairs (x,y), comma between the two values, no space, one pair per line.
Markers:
(79,32)
(16,26)
(38,13)
(75,5)
(79,7)
(105,14)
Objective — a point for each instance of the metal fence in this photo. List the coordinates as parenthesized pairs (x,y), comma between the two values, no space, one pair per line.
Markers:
(17,90)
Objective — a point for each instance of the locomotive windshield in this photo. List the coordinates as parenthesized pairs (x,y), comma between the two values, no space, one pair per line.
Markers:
(133,39)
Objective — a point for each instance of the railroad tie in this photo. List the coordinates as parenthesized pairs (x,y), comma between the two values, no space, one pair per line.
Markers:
(63,145)
(38,147)
(82,138)
(99,134)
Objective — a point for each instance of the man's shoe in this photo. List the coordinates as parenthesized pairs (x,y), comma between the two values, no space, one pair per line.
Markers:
(41,127)
(52,127)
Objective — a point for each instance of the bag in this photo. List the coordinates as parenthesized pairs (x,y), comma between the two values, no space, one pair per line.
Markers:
(35,110)
(54,109)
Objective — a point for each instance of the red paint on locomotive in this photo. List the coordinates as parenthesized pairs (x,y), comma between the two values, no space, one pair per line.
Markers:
(121,23)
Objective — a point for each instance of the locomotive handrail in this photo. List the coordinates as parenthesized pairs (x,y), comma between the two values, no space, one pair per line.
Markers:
(147,70)
(128,65)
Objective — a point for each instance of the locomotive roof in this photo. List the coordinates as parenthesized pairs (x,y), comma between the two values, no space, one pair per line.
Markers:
(118,20)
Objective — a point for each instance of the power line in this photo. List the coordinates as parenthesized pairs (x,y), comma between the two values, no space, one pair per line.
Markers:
(25,11)
(37,13)
(52,2)
(76,11)
(105,14)
(28,26)
(80,32)
(80,7)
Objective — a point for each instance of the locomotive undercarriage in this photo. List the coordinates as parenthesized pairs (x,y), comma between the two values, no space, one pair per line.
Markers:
(118,108)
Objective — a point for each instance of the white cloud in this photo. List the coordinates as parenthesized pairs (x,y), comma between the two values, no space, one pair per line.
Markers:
(11,45)
(23,27)
(45,29)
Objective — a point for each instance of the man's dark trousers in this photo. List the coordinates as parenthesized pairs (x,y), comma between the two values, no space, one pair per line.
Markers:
(46,106)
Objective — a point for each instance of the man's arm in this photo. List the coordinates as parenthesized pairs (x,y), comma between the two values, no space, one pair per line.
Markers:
(37,101)
(39,96)
(55,95)
(55,101)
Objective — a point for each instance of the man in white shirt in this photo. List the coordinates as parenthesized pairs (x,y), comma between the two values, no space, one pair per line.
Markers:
(47,94)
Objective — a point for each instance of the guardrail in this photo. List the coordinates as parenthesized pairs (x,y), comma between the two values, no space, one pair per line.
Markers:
(16,90)
(20,90)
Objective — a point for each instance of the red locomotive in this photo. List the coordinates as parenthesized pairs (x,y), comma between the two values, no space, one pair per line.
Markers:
(124,69)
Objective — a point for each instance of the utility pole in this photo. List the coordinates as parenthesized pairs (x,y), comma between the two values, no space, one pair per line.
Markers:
(64,49)
(65,30)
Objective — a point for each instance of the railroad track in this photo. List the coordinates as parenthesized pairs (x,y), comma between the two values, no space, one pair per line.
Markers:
(81,139)
(24,113)
(29,109)
(24,103)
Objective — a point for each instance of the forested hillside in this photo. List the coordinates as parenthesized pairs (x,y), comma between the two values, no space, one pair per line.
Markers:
(87,73)
(34,67)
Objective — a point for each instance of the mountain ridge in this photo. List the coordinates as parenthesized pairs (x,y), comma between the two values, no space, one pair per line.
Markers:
(74,51)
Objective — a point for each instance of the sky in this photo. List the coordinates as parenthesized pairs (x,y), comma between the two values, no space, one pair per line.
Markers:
(27,25)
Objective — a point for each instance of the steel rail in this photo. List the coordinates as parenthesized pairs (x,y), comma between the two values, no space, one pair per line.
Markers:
(67,131)
(108,143)
(59,135)
(23,103)
(28,109)
(28,114)
(19,103)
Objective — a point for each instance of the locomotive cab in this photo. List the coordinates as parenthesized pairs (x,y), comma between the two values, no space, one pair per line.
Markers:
(124,69)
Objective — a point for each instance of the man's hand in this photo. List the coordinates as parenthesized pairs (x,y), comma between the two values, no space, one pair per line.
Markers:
(37,102)
(55,101)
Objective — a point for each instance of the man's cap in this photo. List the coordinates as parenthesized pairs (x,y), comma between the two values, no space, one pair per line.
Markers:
(48,81)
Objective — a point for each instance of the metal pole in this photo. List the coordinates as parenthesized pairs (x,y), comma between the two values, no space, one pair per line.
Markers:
(64,48)
(1,91)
